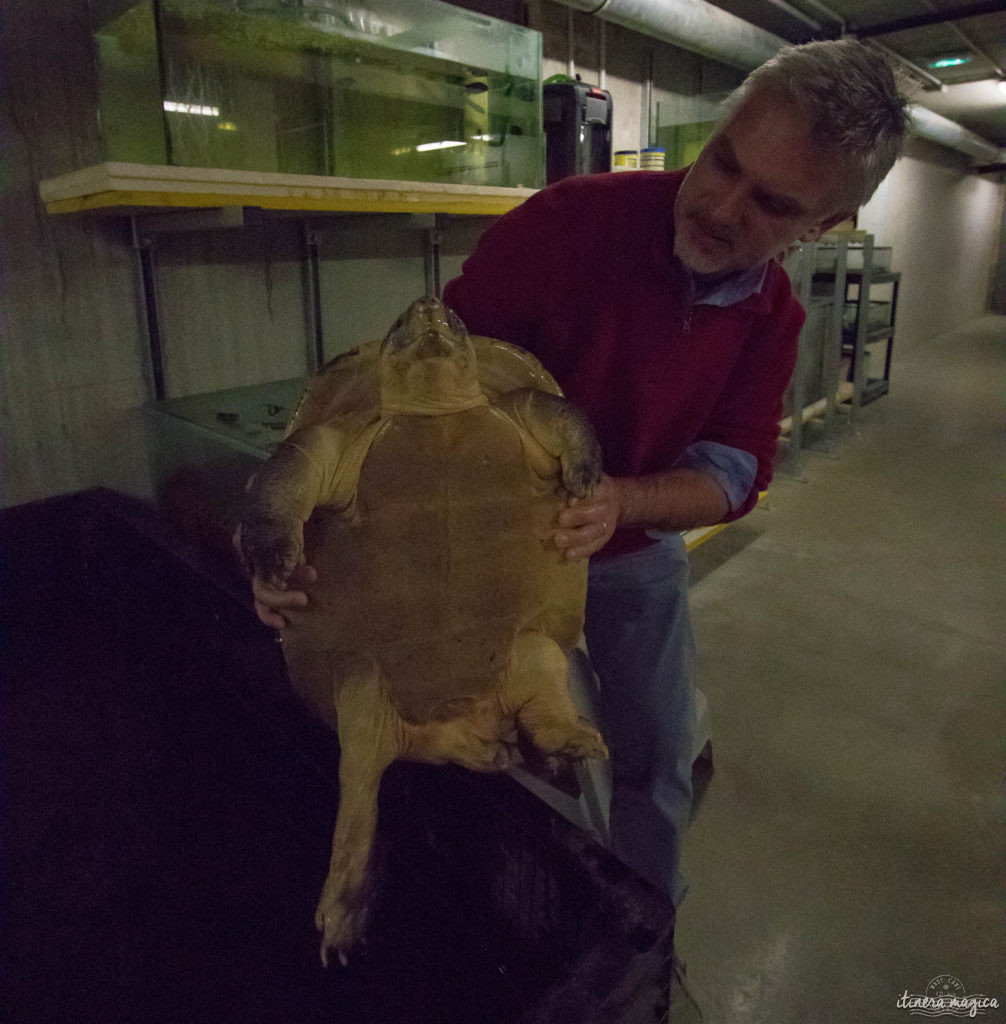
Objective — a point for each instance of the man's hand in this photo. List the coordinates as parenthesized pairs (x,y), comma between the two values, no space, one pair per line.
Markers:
(271,603)
(586,524)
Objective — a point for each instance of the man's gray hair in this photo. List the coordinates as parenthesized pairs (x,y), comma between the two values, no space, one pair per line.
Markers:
(850,94)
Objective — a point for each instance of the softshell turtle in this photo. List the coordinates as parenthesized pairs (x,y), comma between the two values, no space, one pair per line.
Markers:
(422,478)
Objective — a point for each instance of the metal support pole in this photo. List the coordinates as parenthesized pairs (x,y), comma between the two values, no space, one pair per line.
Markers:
(890,339)
(645,134)
(312,295)
(860,356)
(143,246)
(798,386)
(432,238)
(831,363)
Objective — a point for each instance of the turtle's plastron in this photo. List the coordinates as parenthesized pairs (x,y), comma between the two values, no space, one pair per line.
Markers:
(442,610)
(444,562)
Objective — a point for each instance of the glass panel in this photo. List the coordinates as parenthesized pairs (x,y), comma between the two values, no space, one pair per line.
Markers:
(129,90)
(415,90)
(687,93)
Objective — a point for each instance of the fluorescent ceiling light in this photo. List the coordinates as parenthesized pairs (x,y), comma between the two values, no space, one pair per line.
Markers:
(191,108)
(437,145)
(949,62)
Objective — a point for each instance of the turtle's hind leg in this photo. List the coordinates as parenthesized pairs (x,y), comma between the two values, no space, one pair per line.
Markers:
(369,737)
(475,738)
(534,689)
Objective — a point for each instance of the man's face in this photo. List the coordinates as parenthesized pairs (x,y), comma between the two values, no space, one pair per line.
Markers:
(760,183)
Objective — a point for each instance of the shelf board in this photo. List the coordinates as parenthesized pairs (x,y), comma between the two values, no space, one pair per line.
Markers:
(879,334)
(128,188)
(874,389)
(876,277)
(872,336)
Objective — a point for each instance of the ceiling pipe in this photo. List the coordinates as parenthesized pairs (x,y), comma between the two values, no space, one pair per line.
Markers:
(691,24)
(799,15)
(831,15)
(935,17)
(935,82)
(932,126)
(707,30)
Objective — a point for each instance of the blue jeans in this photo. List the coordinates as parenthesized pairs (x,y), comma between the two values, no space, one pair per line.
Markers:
(639,639)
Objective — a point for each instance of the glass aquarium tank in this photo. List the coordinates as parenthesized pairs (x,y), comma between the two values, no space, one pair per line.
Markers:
(686,104)
(413,90)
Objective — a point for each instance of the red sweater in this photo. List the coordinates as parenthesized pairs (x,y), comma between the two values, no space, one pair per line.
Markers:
(583,275)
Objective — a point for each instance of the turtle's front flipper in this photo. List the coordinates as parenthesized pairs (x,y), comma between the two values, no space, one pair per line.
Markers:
(565,433)
(299,475)
(369,738)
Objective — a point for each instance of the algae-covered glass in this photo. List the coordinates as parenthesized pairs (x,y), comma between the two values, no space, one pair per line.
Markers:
(401,89)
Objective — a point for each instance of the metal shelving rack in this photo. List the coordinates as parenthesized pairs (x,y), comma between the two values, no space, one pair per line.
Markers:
(817,360)
(118,188)
(857,339)
(832,374)
(855,343)
(161,199)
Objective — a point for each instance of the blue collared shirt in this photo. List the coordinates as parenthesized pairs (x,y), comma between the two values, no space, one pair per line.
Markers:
(735,288)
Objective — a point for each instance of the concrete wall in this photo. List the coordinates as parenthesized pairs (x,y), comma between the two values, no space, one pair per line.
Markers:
(944,225)
(71,358)
(73,365)
(997,289)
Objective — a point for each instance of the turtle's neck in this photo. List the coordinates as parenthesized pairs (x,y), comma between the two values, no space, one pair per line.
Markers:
(414,402)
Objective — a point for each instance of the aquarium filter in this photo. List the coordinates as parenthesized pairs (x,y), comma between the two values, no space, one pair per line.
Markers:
(577,120)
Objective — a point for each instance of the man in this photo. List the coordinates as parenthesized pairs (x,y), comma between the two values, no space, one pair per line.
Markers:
(656,301)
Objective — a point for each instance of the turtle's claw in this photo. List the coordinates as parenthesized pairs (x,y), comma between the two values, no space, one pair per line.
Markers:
(581,476)
(585,741)
(272,548)
(341,927)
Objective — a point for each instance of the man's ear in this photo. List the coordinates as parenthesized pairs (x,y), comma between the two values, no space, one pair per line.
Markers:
(813,233)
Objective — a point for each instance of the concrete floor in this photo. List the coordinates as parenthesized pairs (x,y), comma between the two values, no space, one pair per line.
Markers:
(852,651)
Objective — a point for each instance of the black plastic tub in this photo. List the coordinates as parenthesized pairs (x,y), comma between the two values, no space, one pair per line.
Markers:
(168,812)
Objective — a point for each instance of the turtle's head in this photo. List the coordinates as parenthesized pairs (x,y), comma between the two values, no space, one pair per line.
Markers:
(428,362)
